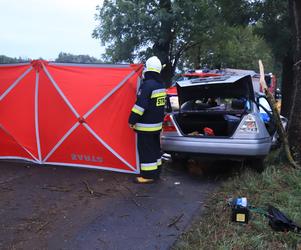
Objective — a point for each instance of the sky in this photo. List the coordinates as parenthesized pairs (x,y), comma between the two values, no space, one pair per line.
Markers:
(44,28)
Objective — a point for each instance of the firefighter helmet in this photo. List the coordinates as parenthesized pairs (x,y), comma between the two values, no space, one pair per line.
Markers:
(153,64)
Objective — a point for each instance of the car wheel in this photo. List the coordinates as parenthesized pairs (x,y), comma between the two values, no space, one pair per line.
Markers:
(256,164)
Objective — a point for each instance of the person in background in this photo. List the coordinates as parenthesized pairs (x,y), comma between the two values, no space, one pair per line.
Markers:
(146,119)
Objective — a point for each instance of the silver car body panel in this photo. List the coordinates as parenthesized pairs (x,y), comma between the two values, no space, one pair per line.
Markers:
(240,144)
(233,147)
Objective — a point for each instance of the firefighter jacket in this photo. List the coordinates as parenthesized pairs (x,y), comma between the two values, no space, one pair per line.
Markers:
(148,112)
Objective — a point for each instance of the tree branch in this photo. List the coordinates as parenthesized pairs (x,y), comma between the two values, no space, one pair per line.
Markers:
(182,49)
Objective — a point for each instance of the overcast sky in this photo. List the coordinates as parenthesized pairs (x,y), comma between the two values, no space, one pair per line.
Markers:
(44,28)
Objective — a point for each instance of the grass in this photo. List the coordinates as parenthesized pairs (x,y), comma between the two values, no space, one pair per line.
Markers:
(279,185)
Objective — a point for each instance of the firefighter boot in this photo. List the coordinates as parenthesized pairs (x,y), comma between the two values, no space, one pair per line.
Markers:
(142,180)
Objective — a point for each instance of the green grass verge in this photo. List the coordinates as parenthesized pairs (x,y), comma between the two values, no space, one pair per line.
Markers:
(279,185)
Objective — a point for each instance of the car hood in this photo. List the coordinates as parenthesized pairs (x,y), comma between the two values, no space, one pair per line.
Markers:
(222,86)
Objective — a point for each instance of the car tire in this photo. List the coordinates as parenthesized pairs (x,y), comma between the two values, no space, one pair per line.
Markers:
(256,164)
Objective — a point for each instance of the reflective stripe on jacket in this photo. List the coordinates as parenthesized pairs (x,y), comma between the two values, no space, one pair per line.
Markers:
(148,112)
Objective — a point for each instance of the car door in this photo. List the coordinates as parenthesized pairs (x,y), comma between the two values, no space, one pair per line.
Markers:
(266,114)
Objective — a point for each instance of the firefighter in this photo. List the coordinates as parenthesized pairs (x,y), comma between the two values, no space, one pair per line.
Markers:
(146,119)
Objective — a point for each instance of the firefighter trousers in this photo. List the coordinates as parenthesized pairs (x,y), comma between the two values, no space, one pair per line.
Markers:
(149,155)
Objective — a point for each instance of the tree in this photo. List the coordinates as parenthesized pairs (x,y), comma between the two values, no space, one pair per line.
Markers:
(275,25)
(70,58)
(272,21)
(137,29)
(295,117)
(5,59)
(239,12)
(231,47)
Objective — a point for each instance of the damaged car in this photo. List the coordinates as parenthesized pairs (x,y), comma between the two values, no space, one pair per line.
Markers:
(219,116)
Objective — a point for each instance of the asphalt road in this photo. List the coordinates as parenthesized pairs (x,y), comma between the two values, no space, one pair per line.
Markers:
(70,208)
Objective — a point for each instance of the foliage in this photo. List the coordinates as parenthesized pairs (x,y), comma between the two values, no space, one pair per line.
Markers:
(70,58)
(275,26)
(239,12)
(189,34)
(62,57)
(137,29)
(270,18)
(279,186)
(233,47)
(5,59)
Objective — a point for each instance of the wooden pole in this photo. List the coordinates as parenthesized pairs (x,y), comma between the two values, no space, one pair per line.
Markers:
(280,129)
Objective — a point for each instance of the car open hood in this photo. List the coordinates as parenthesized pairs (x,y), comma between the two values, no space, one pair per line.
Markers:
(222,86)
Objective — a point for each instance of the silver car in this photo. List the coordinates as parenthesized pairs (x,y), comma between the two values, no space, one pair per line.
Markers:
(219,116)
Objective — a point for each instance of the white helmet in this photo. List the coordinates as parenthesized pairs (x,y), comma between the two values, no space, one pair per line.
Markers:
(153,64)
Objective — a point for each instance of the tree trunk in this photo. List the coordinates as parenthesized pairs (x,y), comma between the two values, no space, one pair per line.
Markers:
(197,58)
(167,74)
(287,85)
(162,46)
(295,118)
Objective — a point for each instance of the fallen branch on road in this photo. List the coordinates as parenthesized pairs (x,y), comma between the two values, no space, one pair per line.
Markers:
(143,196)
(92,192)
(136,202)
(127,188)
(56,189)
(7,189)
(42,226)
(175,221)
(10,179)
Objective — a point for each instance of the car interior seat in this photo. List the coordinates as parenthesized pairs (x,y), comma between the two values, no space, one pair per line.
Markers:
(238,104)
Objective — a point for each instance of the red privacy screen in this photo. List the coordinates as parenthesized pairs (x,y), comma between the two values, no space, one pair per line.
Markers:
(69,114)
